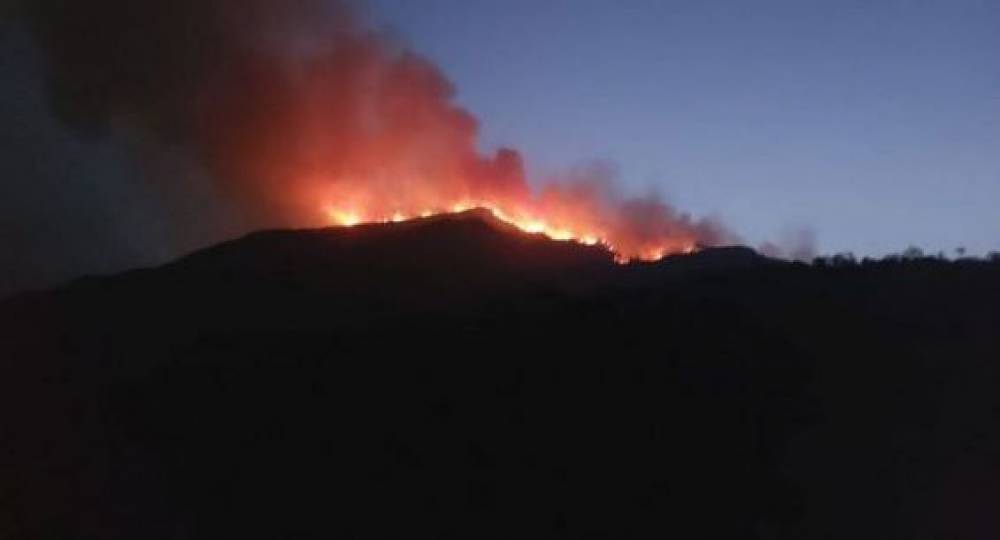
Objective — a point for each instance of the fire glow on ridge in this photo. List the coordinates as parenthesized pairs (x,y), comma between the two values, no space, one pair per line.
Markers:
(523,221)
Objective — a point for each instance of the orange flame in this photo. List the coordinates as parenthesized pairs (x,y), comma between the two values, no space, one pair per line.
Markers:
(560,230)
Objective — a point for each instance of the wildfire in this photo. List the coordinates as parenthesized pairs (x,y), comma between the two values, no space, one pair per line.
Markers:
(316,110)
(523,221)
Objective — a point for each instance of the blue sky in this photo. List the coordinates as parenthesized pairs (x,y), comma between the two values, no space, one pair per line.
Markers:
(876,124)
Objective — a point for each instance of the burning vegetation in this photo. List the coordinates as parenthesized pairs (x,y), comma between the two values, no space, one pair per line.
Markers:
(583,232)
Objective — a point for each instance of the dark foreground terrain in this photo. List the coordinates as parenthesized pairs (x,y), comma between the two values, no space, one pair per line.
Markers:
(448,378)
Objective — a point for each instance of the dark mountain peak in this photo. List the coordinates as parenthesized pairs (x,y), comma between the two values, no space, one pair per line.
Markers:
(472,242)
(436,256)
(451,251)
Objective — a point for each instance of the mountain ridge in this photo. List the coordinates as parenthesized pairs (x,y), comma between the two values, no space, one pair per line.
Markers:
(470,246)
(445,378)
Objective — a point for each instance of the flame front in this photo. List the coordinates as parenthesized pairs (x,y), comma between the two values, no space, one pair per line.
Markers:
(581,231)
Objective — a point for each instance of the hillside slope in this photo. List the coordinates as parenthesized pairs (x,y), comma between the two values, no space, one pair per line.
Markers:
(452,378)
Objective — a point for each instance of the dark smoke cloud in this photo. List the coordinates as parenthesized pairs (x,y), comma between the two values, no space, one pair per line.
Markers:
(270,95)
(204,77)
(151,61)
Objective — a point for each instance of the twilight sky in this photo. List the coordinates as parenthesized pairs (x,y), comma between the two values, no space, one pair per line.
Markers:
(873,124)
(876,124)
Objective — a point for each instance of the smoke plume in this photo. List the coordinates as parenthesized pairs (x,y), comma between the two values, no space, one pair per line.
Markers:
(300,114)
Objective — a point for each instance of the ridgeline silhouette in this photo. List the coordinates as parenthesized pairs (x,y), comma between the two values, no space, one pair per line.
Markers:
(454,378)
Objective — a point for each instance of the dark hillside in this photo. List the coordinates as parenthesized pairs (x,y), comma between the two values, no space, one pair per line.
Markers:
(451,378)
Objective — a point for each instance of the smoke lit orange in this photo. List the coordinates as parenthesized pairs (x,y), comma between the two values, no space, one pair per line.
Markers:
(304,115)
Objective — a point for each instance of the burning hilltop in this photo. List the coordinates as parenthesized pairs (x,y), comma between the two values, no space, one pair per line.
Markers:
(301,115)
(582,231)
(459,263)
